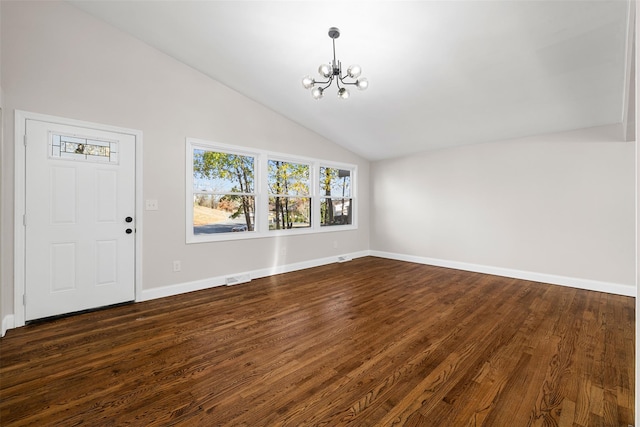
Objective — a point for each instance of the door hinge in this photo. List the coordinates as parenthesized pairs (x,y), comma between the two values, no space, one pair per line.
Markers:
(24,220)
(25,140)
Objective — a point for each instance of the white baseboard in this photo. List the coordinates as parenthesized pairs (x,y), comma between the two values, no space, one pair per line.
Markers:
(591,285)
(8,322)
(180,288)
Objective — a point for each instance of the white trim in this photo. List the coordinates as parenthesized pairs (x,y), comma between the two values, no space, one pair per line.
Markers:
(587,284)
(180,288)
(19,210)
(592,285)
(19,199)
(8,322)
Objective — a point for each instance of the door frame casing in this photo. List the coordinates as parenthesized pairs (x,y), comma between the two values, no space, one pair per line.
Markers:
(19,248)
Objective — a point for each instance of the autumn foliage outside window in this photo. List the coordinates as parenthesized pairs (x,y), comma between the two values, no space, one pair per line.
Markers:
(289,201)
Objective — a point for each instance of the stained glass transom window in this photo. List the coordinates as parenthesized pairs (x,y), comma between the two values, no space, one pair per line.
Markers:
(66,147)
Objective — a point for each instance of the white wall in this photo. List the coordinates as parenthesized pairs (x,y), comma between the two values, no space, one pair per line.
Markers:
(637,157)
(560,205)
(58,60)
(3,245)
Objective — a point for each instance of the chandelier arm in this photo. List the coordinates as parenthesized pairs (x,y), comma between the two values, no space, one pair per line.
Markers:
(347,83)
(321,83)
(330,81)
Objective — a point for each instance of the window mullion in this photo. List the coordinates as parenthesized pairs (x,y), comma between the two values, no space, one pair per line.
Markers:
(262,190)
(314,189)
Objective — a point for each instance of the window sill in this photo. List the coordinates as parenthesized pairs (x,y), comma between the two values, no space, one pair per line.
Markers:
(249,235)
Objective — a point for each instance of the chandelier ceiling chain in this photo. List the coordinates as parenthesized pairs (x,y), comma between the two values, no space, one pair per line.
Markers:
(333,72)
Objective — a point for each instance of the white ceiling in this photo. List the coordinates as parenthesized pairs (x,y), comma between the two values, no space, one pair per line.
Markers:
(441,73)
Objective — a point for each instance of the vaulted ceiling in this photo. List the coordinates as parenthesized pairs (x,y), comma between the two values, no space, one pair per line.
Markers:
(441,73)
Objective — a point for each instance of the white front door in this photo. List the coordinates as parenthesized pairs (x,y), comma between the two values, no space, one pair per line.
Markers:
(79,222)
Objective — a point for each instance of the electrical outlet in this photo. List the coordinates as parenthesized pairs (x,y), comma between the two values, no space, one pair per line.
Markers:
(177,266)
(151,205)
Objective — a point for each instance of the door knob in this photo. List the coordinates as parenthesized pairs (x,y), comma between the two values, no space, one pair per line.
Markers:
(128,231)
(128,219)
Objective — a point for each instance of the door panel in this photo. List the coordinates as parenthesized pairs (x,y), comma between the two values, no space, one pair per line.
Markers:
(63,266)
(80,187)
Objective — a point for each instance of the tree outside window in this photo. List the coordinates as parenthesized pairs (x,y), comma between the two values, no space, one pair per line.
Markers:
(289,196)
(336,202)
(224,192)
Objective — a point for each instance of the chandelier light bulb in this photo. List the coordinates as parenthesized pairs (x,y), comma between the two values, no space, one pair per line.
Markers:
(316,92)
(362,83)
(325,70)
(308,82)
(343,93)
(354,71)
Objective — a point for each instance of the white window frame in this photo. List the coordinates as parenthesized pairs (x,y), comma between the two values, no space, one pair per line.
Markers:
(261,216)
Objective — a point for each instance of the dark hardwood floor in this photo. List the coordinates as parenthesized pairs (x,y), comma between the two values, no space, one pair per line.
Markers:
(371,342)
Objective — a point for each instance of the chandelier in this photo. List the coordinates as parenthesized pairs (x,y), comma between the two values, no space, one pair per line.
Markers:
(333,72)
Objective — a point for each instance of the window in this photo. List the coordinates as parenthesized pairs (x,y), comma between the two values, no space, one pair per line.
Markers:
(239,193)
(289,201)
(335,192)
(67,147)
(224,197)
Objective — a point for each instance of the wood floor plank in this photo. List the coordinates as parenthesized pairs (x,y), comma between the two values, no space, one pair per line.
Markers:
(371,342)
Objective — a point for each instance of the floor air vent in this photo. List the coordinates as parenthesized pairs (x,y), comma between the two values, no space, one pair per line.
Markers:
(236,280)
